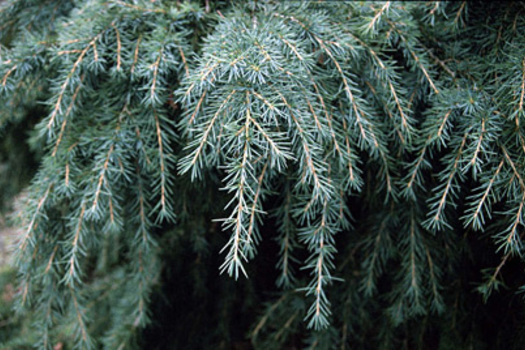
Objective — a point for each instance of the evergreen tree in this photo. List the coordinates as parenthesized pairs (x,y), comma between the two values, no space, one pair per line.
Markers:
(357,167)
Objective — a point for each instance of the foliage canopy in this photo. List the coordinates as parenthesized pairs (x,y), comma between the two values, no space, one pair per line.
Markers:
(381,144)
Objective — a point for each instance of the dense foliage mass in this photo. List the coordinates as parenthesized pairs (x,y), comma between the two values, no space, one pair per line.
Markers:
(362,163)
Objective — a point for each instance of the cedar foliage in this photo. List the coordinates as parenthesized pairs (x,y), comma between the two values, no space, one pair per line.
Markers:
(372,152)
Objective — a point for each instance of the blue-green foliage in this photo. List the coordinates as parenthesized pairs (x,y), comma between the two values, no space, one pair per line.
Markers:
(371,137)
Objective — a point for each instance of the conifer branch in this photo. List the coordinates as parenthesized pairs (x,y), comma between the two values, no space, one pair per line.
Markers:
(162,165)
(436,220)
(73,273)
(11,70)
(33,222)
(522,95)
(418,163)
(119,46)
(458,14)
(389,113)
(136,54)
(405,123)
(374,261)
(514,169)
(80,316)
(264,319)
(102,178)
(511,240)
(192,118)
(68,111)
(437,300)
(414,55)
(475,157)
(186,68)
(353,176)
(474,215)
(255,204)
(287,243)
(357,111)
(197,154)
(414,280)
(155,73)
(377,16)
(65,84)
